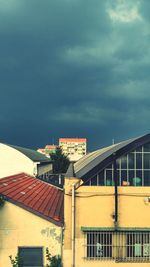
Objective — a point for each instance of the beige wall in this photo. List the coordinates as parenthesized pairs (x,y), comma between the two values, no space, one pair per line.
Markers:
(95,208)
(44,169)
(13,162)
(19,227)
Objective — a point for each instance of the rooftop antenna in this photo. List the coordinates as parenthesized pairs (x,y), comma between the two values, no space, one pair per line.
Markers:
(53,140)
(113,141)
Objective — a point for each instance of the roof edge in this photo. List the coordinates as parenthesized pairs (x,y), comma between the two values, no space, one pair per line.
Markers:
(120,149)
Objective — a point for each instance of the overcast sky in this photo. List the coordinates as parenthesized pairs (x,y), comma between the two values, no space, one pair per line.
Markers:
(74,68)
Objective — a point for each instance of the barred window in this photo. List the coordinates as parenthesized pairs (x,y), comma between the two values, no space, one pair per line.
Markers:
(138,245)
(99,245)
(119,246)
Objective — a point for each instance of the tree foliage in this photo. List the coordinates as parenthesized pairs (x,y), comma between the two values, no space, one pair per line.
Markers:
(16,262)
(60,161)
(2,201)
(54,261)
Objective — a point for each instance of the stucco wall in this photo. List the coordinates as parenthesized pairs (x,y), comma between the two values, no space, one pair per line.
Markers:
(95,207)
(13,162)
(45,168)
(19,227)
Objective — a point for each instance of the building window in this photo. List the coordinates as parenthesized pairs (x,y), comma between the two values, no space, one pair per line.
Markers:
(130,246)
(99,245)
(31,256)
(138,245)
(133,169)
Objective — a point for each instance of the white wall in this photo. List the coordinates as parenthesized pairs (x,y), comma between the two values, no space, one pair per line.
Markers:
(44,168)
(12,162)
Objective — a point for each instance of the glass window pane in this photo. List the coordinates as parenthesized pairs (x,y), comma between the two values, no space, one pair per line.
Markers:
(31,256)
(147,147)
(109,177)
(101,178)
(139,173)
(124,162)
(123,177)
(137,181)
(138,160)
(118,163)
(131,176)
(147,178)
(109,166)
(146,161)
(131,160)
(94,180)
(118,178)
(139,149)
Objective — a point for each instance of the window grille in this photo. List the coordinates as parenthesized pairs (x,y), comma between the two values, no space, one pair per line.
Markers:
(99,244)
(129,246)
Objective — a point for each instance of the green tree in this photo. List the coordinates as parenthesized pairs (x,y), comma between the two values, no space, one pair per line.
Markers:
(54,261)
(60,161)
(16,262)
(2,201)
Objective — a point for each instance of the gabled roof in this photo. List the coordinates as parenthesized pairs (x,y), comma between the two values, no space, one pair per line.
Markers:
(88,165)
(35,196)
(31,154)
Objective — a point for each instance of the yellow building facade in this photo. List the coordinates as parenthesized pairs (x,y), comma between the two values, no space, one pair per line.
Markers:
(31,220)
(107,207)
(22,229)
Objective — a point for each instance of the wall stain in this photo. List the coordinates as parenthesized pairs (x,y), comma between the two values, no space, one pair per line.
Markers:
(51,232)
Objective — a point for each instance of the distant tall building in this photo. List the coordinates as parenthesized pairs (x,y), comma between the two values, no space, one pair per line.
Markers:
(74,148)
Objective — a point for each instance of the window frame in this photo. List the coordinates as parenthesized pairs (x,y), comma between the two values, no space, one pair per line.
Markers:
(30,247)
(132,173)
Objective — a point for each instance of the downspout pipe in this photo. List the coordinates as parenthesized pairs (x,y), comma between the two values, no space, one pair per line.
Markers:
(62,238)
(116,192)
(73,226)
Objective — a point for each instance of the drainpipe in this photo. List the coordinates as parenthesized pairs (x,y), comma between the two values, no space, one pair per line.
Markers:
(116,192)
(62,238)
(73,225)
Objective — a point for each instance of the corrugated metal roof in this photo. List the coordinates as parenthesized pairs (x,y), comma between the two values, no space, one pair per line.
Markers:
(92,159)
(31,154)
(86,164)
(35,196)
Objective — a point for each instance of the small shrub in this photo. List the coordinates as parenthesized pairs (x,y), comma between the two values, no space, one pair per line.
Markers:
(16,262)
(54,261)
(2,201)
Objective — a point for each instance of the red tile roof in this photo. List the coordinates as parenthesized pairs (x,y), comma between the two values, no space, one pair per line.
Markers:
(72,140)
(51,146)
(36,196)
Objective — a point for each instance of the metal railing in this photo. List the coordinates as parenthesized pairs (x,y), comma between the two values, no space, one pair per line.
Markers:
(54,179)
(119,246)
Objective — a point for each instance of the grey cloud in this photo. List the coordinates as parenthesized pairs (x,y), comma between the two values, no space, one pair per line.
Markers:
(67,69)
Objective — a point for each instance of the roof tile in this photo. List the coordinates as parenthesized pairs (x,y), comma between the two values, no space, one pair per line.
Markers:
(34,195)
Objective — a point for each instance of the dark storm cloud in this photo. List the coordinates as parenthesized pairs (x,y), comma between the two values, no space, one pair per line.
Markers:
(74,68)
